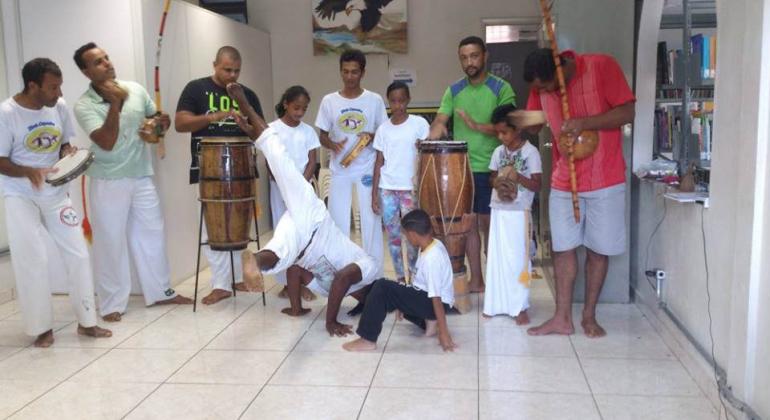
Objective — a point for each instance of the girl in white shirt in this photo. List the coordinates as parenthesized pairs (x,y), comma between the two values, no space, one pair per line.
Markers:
(394,169)
(300,141)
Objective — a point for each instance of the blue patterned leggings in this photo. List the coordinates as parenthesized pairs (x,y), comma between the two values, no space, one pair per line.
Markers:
(394,204)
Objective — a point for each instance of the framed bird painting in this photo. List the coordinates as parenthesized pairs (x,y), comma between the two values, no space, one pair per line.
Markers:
(372,26)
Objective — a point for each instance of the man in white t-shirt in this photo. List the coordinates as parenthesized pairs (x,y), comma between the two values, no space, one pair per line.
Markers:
(35,130)
(343,117)
(306,242)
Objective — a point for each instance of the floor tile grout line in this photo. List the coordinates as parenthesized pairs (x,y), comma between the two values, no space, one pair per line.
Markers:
(376,369)
(289,353)
(87,364)
(203,347)
(585,378)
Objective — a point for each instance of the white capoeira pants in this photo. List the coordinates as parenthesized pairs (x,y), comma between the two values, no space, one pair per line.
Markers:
(305,214)
(219,263)
(277,209)
(27,218)
(340,201)
(126,216)
(508,263)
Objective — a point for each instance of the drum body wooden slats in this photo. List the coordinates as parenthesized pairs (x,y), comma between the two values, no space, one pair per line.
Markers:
(227,190)
(445,184)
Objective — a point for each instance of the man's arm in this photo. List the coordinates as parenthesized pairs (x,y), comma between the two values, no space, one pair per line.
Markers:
(107,135)
(35,175)
(343,280)
(614,118)
(438,128)
(327,142)
(187,122)
(444,339)
(254,125)
(488,129)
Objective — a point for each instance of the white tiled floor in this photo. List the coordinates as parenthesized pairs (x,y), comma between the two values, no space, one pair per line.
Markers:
(239,359)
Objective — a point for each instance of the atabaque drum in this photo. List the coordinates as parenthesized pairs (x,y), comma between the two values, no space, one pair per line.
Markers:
(227,190)
(445,192)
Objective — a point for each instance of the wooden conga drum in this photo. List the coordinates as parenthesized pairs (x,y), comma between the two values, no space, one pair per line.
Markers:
(445,192)
(227,190)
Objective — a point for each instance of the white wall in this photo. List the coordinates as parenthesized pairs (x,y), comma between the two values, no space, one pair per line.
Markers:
(435,29)
(128,32)
(736,237)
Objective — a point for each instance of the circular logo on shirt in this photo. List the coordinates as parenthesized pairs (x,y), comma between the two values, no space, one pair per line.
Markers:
(44,139)
(352,122)
(68,216)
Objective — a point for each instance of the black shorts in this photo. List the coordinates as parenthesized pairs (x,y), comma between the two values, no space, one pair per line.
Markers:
(482,194)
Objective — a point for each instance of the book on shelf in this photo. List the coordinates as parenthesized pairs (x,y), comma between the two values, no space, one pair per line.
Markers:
(668,126)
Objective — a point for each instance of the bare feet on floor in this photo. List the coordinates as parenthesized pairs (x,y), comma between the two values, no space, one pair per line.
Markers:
(176,300)
(307,294)
(522,318)
(592,328)
(252,275)
(241,287)
(112,317)
(553,326)
(45,339)
(431,327)
(215,296)
(359,344)
(284,293)
(485,316)
(292,312)
(95,331)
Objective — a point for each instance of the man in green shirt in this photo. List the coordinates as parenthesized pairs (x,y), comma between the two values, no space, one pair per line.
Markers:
(471,101)
(125,206)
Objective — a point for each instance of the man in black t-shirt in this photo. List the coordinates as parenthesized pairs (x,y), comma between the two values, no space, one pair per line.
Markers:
(206,110)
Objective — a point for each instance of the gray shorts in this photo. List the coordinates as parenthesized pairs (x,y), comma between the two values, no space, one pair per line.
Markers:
(602,226)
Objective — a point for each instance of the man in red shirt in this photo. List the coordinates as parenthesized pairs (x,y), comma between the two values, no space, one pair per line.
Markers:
(599,99)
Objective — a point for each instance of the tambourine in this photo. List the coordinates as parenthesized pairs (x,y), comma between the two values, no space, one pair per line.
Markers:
(70,167)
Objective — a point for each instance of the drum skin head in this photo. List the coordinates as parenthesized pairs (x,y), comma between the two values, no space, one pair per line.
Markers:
(70,167)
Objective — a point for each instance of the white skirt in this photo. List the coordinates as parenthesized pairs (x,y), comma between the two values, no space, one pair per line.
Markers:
(508,263)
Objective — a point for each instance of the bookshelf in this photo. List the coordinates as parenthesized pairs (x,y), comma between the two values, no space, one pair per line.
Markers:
(686,72)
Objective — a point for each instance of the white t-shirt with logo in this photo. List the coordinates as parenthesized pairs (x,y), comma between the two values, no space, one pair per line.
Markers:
(526,161)
(33,138)
(434,273)
(297,141)
(398,146)
(344,119)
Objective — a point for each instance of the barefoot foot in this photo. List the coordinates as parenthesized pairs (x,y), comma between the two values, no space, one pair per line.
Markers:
(215,296)
(476,287)
(292,312)
(485,316)
(252,275)
(95,331)
(522,318)
(431,327)
(241,287)
(284,293)
(591,328)
(359,344)
(112,317)
(45,339)
(553,326)
(176,300)
(307,294)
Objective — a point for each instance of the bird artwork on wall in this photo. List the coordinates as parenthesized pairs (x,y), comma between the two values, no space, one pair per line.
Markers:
(373,26)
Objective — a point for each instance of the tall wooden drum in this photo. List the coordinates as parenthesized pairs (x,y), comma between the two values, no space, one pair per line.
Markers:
(227,190)
(445,191)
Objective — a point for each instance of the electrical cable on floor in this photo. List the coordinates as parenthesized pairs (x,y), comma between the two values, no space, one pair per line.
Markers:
(649,243)
(708,310)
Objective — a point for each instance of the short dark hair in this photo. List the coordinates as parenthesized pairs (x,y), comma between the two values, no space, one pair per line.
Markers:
(396,86)
(500,115)
(473,40)
(291,95)
(353,55)
(79,54)
(539,64)
(417,221)
(230,52)
(35,69)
